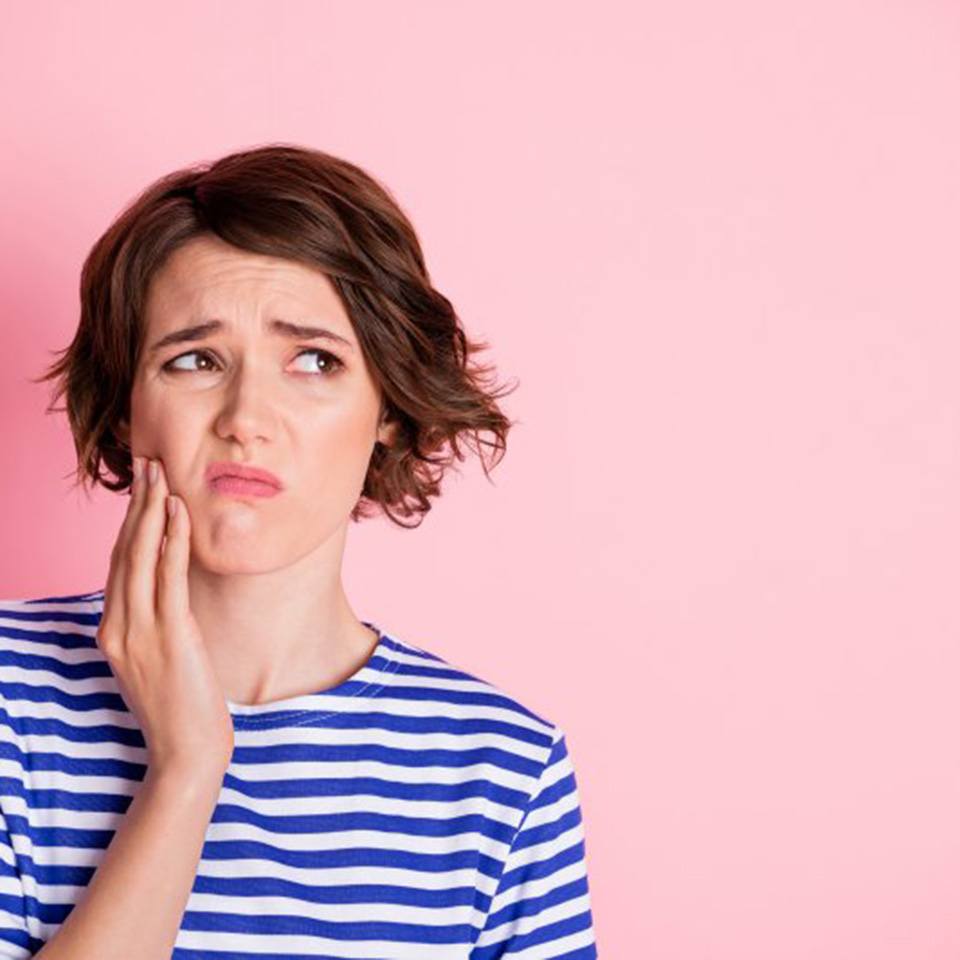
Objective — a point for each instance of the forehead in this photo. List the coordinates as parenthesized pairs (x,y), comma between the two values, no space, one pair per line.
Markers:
(206,277)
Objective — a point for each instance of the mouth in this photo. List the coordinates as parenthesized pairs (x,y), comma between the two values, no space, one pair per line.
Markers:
(239,487)
(234,479)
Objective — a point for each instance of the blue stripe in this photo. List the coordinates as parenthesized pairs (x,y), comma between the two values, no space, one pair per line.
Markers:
(315,787)
(526,908)
(364,721)
(544,934)
(542,868)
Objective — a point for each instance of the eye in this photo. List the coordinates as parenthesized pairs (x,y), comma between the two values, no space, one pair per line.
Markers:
(169,365)
(331,363)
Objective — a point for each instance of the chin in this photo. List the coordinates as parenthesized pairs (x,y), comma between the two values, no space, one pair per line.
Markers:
(237,559)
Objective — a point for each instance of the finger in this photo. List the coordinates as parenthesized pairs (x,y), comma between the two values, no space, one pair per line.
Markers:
(114,604)
(125,536)
(172,590)
(144,550)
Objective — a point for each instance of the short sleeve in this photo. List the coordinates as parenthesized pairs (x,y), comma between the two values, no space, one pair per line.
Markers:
(15,940)
(14,936)
(541,907)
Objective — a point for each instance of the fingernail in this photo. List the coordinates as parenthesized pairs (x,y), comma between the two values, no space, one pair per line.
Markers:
(137,466)
(171,506)
(154,470)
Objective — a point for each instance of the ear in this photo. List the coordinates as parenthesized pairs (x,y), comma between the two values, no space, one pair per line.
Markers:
(387,433)
(386,429)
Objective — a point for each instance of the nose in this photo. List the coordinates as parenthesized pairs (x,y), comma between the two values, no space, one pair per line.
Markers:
(246,413)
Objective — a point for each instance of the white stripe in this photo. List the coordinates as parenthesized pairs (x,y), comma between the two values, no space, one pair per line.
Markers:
(319,772)
(545,851)
(519,926)
(334,912)
(532,889)
(555,948)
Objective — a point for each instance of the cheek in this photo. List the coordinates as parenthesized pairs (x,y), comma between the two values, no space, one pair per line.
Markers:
(158,430)
(340,454)
(150,418)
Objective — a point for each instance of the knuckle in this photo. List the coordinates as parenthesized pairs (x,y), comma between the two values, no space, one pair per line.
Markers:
(108,641)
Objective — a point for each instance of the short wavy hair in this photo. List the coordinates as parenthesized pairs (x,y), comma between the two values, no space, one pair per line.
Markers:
(304,205)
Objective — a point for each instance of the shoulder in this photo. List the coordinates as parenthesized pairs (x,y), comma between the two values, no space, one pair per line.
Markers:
(471,702)
(50,619)
(47,639)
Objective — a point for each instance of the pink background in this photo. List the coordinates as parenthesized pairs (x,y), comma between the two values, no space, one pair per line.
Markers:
(717,245)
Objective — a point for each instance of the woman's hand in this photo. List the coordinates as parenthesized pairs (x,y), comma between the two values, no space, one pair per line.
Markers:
(152,642)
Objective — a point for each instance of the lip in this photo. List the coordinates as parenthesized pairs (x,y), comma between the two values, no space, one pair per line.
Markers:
(226,477)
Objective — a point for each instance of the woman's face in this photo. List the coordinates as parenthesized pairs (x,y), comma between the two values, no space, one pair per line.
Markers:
(253,395)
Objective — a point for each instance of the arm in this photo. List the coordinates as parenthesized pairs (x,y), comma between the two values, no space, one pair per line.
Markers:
(135,901)
(541,907)
(140,889)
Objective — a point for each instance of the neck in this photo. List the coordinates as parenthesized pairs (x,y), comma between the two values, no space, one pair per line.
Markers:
(281,633)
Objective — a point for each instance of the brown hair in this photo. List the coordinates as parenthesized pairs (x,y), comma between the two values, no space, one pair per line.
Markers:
(305,205)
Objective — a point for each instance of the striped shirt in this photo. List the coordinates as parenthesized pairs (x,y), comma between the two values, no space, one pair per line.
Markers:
(411,811)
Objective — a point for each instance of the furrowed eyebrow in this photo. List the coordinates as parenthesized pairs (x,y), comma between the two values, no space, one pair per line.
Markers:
(282,328)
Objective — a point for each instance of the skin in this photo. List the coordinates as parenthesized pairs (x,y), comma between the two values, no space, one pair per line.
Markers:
(264,574)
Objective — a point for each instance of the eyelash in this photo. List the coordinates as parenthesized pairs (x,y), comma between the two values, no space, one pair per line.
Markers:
(337,363)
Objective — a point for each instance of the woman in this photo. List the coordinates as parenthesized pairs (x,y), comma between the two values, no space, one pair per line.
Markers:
(213,756)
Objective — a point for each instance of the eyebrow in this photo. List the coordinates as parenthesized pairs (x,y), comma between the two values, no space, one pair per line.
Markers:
(283,328)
